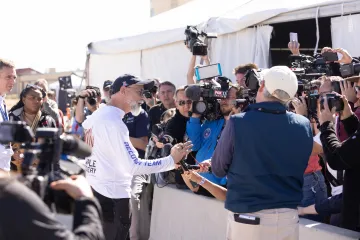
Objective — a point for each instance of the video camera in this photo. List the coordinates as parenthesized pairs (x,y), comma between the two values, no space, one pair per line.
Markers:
(48,152)
(152,151)
(349,70)
(210,92)
(311,65)
(247,94)
(195,40)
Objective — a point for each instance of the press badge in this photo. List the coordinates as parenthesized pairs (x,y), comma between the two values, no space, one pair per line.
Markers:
(246,219)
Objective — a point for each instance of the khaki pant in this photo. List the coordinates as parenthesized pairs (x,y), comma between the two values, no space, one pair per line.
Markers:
(275,224)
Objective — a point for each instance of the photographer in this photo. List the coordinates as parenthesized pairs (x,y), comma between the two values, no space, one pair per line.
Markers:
(264,167)
(241,71)
(314,187)
(151,100)
(205,136)
(37,222)
(114,160)
(176,127)
(89,101)
(343,156)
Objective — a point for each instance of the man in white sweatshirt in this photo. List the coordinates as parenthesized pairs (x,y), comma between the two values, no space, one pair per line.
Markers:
(114,160)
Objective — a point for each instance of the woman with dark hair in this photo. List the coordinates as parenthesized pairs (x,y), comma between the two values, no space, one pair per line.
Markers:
(28,110)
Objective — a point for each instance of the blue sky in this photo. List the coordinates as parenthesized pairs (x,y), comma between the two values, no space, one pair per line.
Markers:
(54,33)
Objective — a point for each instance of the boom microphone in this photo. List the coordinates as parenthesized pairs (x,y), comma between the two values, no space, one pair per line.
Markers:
(193,92)
(75,147)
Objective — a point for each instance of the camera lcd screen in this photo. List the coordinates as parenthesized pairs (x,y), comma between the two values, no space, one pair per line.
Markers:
(209,71)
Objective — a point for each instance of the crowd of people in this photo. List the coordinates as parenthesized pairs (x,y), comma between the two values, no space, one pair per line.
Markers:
(269,162)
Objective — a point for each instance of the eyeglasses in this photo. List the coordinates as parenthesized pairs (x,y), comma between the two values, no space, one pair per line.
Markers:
(139,92)
(183,102)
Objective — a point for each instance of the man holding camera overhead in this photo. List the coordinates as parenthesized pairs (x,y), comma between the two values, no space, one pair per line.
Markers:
(259,153)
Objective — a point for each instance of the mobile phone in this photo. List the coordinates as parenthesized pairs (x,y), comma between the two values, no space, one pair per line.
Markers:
(293,37)
(330,56)
(209,71)
(246,219)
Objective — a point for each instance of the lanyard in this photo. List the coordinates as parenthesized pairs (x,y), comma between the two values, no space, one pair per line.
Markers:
(4,114)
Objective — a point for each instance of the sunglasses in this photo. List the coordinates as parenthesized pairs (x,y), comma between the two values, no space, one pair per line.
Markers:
(183,102)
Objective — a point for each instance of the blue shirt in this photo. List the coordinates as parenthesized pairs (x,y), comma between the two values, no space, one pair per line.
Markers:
(138,127)
(204,137)
(263,152)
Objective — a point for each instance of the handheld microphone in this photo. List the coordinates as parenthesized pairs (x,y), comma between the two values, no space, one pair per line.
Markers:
(193,92)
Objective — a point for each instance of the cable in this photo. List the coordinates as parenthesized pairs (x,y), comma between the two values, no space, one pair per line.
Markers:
(317,31)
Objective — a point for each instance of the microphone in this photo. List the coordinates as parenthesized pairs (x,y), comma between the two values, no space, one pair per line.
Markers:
(193,92)
(192,167)
(75,147)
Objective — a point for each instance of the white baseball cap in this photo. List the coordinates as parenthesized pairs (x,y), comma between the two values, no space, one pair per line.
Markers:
(281,78)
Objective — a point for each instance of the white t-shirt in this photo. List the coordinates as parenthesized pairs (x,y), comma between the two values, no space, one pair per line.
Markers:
(5,152)
(114,160)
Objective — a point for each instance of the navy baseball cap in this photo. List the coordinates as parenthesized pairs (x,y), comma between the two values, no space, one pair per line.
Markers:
(128,80)
(107,84)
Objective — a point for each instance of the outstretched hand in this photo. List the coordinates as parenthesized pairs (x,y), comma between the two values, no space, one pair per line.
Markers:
(180,150)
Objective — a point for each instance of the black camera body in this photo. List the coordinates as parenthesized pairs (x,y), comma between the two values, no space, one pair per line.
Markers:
(333,100)
(195,40)
(92,100)
(48,153)
(211,93)
(311,65)
(152,151)
(349,70)
(149,93)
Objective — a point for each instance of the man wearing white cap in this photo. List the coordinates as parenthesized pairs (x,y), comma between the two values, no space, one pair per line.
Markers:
(264,152)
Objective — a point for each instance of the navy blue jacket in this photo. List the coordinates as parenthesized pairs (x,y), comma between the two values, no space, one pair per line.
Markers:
(264,155)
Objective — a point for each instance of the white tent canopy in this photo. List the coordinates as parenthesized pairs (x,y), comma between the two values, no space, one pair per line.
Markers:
(221,16)
(160,51)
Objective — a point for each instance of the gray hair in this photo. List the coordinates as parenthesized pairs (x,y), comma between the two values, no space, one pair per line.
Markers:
(42,83)
(278,95)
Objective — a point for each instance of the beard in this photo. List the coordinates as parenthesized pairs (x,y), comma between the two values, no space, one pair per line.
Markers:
(225,110)
(135,108)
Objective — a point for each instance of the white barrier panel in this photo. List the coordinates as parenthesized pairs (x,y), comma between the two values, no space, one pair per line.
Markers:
(179,214)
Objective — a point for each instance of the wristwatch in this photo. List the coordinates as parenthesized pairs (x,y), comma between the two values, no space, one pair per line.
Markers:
(202,181)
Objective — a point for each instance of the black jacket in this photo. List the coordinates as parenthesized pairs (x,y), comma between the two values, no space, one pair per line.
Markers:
(155,114)
(345,156)
(176,128)
(25,216)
